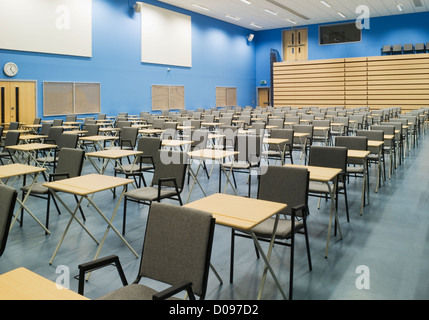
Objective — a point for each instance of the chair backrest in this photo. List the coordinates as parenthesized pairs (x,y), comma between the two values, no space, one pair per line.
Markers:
(150,147)
(387,129)
(304,128)
(14,126)
(54,134)
(37,120)
(276,122)
(327,156)
(225,120)
(281,134)
(170,165)
(209,118)
(71,118)
(285,185)
(249,148)
(170,130)
(11,139)
(196,124)
(7,205)
(258,128)
(123,124)
(92,130)
(101,116)
(57,122)
(44,130)
(70,161)
(199,139)
(352,142)
(376,135)
(68,140)
(158,123)
(128,137)
(184,236)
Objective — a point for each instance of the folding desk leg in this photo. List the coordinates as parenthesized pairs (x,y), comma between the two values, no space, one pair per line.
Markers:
(23,206)
(267,265)
(268,257)
(333,211)
(195,179)
(110,226)
(73,217)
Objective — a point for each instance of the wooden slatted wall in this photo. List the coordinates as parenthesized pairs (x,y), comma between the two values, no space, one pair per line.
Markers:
(377,82)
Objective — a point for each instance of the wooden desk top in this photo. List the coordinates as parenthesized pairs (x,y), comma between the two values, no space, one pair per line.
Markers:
(32,146)
(213,154)
(87,184)
(151,131)
(375,143)
(31,125)
(211,124)
(75,132)
(32,137)
(98,138)
(114,153)
(361,154)
(175,143)
(23,284)
(17,169)
(237,212)
(300,134)
(322,174)
(275,140)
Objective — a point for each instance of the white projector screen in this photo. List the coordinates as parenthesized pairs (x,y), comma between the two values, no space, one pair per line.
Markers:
(166,37)
(46,26)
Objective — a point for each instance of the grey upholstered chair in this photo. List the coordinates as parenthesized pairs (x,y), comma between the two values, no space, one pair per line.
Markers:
(275,151)
(249,155)
(355,167)
(11,139)
(331,157)
(374,157)
(150,147)
(14,125)
(69,165)
(285,185)
(7,205)
(168,181)
(128,138)
(184,236)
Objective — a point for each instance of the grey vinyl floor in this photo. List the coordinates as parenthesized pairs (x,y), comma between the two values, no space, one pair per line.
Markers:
(389,242)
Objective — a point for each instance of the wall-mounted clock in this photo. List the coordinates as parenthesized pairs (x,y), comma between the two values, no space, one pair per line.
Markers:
(10,69)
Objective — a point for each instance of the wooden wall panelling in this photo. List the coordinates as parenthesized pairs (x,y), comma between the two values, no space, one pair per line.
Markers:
(401,81)
(356,82)
(309,83)
(377,82)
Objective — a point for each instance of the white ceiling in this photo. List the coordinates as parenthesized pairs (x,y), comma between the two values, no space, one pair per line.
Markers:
(303,12)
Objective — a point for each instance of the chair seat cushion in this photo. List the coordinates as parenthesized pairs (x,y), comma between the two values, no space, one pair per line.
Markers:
(132,292)
(149,193)
(38,188)
(321,187)
(284,228)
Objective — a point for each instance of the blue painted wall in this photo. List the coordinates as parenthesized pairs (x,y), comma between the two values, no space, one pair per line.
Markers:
(398,29)
(221,57)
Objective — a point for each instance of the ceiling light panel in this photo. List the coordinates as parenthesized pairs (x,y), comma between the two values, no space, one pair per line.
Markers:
(313,10)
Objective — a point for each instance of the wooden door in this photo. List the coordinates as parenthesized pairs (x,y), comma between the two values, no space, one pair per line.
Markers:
(295,45)
(263,97)
(17,102)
